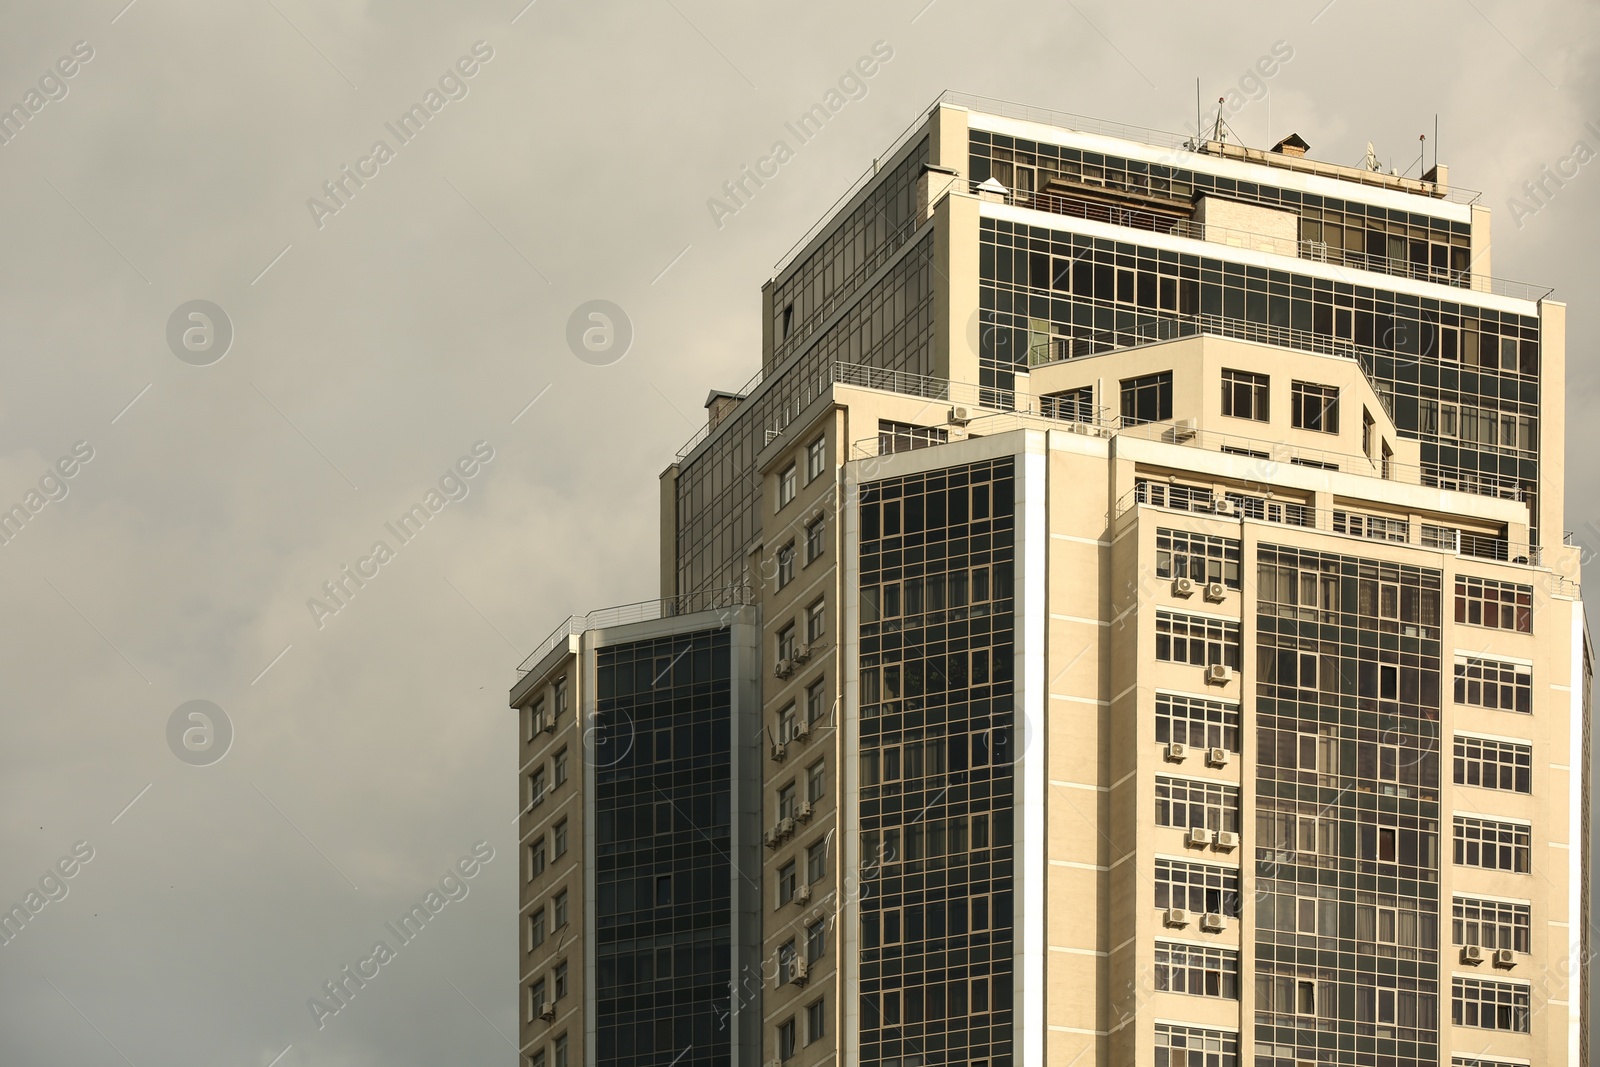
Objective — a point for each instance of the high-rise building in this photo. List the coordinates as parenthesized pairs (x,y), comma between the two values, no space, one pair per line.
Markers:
(1127,620)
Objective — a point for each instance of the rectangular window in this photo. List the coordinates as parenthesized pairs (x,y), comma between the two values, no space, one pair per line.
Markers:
(536,782)
(816,458)
(786,724)
(1488,764)
(536,928)
(1496,605)
(787,876)
(1189,802)
(1491,683)
(1197,887)
(816,700)
(561,980)
(786,1039)
(1493,846)
(816,621)
(561,838)
(536,859)
(816,862)
(1315,407)
(561,909)
(786,801)
(561,1052)
(1197,971)
(814,533)
(816,940)
(785,564)
(1373,527)
(1490,1005)
(903,437)
(561,767)
(1244,395)
(1197,722)
(816,1021)
(535,717)
(786,643)
(1180,554)
(816,781)
(786,486)
(1196,639)
(1147,399)
(1193,1046)
(536,999)
(1491,924)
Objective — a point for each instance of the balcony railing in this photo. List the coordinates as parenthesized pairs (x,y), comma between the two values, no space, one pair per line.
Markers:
(641,611)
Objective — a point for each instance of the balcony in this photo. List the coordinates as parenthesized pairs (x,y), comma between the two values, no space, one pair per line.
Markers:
(641,611)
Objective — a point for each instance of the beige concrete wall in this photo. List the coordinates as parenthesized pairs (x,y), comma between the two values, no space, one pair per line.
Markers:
(1242,225)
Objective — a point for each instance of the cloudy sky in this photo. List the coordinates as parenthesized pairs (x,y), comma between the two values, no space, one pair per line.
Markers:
(374,346)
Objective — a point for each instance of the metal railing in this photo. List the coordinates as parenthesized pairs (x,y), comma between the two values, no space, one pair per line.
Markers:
(640,611)
(1310,251)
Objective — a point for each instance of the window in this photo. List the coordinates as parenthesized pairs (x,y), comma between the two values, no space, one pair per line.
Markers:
(1186,802)
(1367,424)
(536,859)
(1496,605)
(786,802)
(561,767)
(561,909)
(788,957)
(1196,639)
(536,999)
(1192,1046)
(537,1059)
(1491,924)
(561,979)
(786,642)
(816,940)
(816,621)
(561,838)
(786,486)
(1197,887)
(788,320)
(536,928)
(1315,407)
(1197,722)
(1502,765)
(1180,554)
(816,695)
(1147,399)
(1244,395)
(561,1051)
(786,882)
(786,1042)
(816,458)
(536,788)
(1197,971)
(663,890)
(1374,527)
(816,862)
(1490,683)
(816,781)
(1490,1005)
(785,564)
(814,532)
(786,724)
(561,698)
(816,1021)
(903,437)
(1493,846)
(535,717)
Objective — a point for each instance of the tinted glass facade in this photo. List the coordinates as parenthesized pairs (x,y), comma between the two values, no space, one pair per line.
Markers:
(1347,837)
(937,793)
(662,872)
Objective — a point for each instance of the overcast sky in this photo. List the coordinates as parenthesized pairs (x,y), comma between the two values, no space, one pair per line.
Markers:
(373,346)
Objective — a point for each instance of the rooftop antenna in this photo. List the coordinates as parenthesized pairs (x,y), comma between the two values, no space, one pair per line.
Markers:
(1197,119)
(1435,142)
(1371,161)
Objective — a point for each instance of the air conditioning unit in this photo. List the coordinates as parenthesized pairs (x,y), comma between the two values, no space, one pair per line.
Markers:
(1471,954)
(783,669)
(772,838)
(1503,957)
(1219,674)
(802,730)
(785,827)
(1177,751)
(547,1011)
(549,723)
(1227,840)
(1184,430)
(1216,592)
(804,814)
(960,416)
(803,894)
(1198,837)
(802,971)
(1183,587)
(1216,757)
(780,751)
(1176,917)
(1225,507)
(1214,922)
(803,653)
